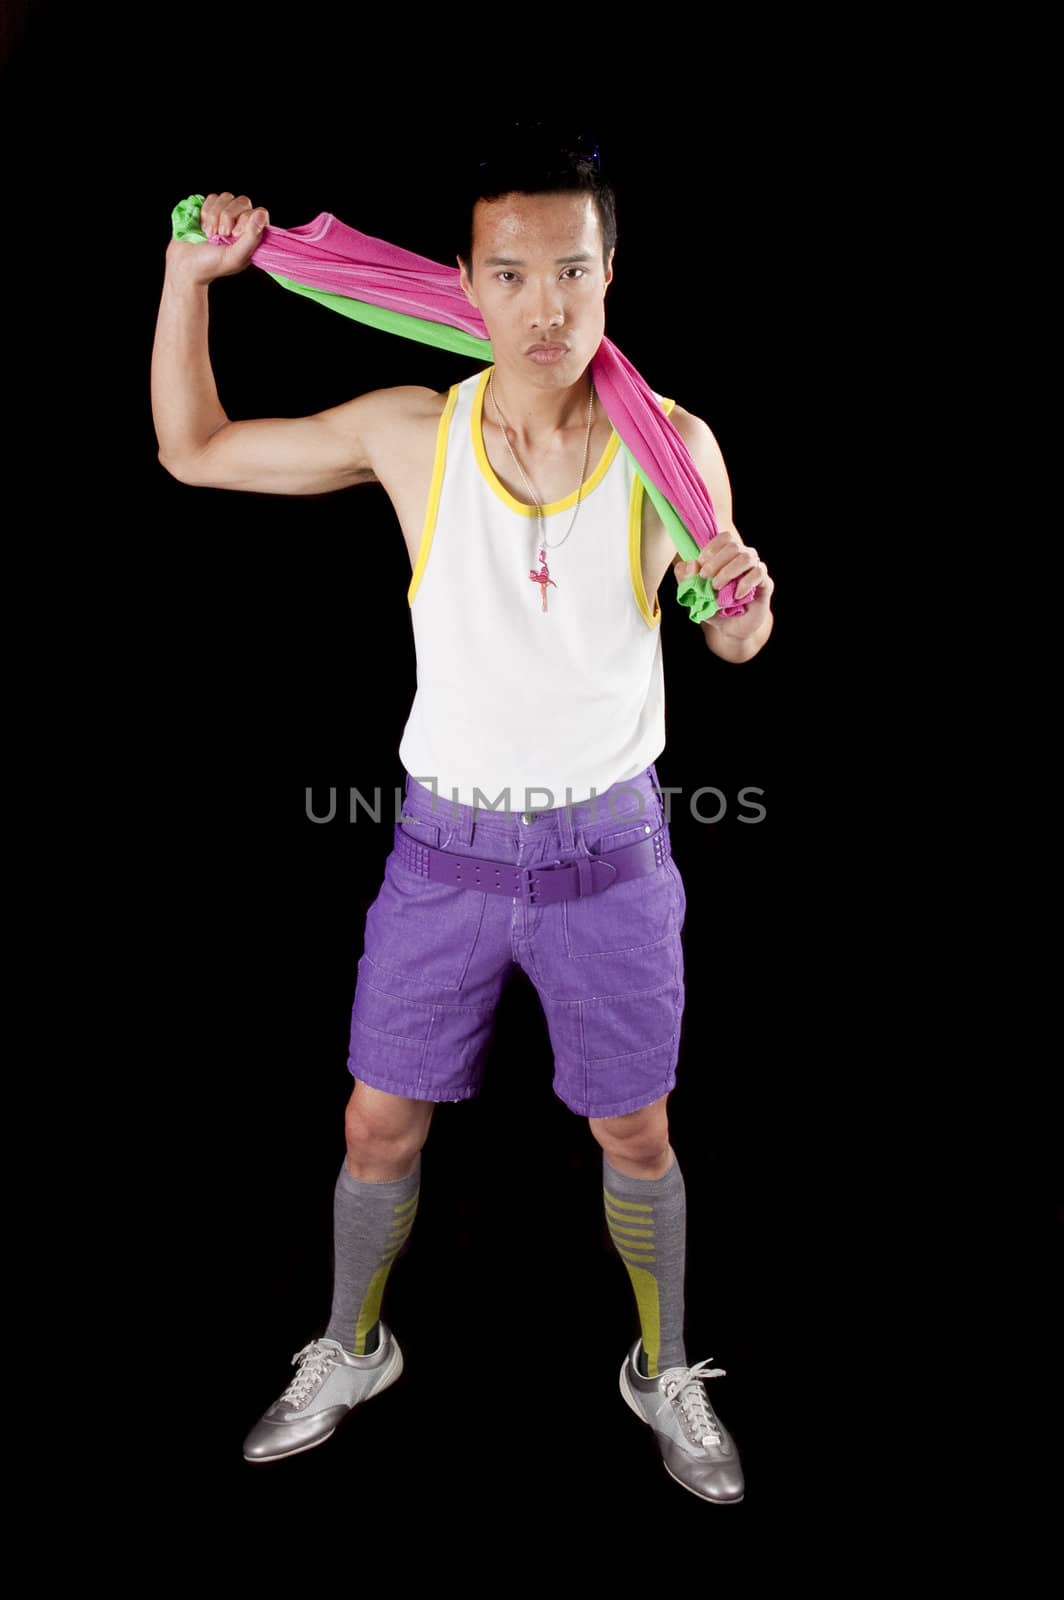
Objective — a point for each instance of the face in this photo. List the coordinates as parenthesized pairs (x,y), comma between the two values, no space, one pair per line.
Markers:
(528,293)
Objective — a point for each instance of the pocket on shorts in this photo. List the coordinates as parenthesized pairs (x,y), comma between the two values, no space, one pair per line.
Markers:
(635,1025)
(424,930)
(630,833)
(627,916)
(424,831)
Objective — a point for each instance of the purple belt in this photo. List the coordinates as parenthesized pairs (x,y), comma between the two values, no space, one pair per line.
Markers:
(539,885)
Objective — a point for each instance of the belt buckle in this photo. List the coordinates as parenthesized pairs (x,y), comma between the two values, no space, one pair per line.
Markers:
(531,873)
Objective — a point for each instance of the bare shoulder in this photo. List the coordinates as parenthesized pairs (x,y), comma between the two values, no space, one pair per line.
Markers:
(406,401)
(697,435)
(391,422)
(659,551)
(401,443)
(706,454)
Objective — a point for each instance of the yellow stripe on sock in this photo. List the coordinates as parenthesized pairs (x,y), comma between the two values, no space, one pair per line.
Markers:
(635,1244)
(628,1232)
(625,1205)
(622,1241)
(369,1312)
(646,1298)
(629,1224)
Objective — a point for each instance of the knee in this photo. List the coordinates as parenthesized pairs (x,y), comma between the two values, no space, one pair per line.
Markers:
(639,1139)
(385,1130)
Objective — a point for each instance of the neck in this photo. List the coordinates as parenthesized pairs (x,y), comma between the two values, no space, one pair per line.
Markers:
(539,416)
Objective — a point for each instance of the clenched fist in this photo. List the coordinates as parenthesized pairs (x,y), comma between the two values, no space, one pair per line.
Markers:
(232,216)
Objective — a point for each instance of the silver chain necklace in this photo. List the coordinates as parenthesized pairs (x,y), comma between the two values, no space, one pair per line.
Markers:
(543,577)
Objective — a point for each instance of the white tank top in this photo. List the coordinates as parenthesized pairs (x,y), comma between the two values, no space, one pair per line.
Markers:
(515,706)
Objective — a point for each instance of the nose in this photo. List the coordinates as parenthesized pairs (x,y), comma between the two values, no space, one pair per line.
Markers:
(549,312)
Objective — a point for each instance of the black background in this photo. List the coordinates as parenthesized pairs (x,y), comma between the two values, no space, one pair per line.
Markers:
(264,648)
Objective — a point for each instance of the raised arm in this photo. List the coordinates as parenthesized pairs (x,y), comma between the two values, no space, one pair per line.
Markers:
(198,443)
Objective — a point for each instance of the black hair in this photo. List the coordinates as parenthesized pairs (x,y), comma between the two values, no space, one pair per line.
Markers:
(540,158)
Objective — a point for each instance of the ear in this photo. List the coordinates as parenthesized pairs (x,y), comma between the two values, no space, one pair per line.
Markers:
(609,269)
(467,287)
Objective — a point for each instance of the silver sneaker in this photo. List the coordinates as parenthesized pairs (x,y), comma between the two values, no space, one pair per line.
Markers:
(329,1384)
(696,1447)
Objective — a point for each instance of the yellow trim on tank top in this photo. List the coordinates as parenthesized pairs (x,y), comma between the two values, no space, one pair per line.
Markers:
(432,507)
(635,519)
(493,482)
(635,545)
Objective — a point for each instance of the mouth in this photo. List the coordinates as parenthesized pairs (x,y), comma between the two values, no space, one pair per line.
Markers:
(545,354)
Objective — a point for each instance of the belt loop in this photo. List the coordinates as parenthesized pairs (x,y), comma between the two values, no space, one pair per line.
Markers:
(462,817)
(653,771)
(565,826)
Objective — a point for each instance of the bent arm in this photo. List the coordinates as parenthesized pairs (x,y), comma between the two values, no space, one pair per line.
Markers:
(184,400)
(199,444)
(721,636)
(287,455)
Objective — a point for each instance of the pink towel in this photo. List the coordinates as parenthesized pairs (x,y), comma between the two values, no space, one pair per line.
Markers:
(331,256)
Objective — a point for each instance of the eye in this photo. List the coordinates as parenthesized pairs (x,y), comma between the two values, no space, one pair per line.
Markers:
(506,274)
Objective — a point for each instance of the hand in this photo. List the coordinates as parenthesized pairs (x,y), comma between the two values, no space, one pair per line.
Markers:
(220,214)
(722,559)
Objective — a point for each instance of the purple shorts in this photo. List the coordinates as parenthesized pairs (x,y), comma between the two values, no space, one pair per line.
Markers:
(608,967)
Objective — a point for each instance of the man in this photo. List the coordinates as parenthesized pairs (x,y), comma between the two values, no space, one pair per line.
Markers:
(534,676)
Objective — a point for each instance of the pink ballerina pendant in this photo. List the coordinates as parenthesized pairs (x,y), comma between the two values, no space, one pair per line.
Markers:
(543,577)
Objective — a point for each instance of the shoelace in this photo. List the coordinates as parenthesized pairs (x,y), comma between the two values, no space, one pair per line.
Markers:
(687,1394)
(315,1358)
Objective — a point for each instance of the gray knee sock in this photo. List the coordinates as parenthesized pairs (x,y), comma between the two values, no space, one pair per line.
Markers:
(647,1220)
(371,1222)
